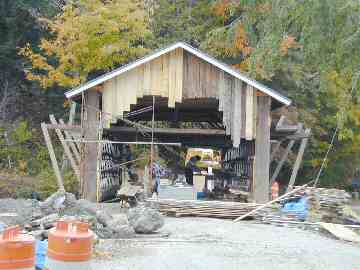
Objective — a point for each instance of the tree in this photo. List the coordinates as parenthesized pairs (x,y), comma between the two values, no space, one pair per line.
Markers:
(181,20)
(311,49)
(86,38)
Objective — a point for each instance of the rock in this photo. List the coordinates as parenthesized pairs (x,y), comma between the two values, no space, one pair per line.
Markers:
(117,220)
(145,220)
(53,203)
(103,217)
(46,222)
(122,231)
(58,202)
(84,206)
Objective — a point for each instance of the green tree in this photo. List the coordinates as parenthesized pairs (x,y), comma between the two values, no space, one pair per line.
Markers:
(310,49)
(181,20)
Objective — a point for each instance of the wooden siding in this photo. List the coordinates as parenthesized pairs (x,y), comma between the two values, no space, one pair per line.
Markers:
(178,76)
(159,77)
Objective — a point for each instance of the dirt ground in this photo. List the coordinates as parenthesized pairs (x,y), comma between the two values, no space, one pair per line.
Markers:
(200,243)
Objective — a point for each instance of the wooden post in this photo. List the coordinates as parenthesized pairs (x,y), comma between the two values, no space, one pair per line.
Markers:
(99,159)
(152,144)
(282,161)
(90,132)
(52,157)
(298,160)
(262,151)
(66,147)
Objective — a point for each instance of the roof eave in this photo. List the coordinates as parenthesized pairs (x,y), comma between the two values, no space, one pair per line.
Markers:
(76,91)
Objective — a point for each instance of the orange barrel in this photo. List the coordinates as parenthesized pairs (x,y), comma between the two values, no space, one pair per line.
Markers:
(274,190)
(17,251)
(70,246)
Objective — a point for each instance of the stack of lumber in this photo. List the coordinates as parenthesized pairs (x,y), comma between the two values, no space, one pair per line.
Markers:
(327,205)
(211,209)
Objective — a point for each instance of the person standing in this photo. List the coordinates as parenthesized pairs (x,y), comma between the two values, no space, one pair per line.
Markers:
(156,174)
(190,168)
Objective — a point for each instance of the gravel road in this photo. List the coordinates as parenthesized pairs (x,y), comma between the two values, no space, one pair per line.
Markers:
(200,243)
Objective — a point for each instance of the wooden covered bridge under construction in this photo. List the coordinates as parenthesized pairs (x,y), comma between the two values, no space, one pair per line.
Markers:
(227,110)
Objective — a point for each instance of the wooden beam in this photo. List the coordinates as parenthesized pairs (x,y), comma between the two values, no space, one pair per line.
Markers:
(183,131)
(63,126)
(298,159)
(236,123)
(262,151)
(250,99)
(275,150)
(90,129)
(73,147)
(54,163)
(282,161)
(65,163)
(66,147)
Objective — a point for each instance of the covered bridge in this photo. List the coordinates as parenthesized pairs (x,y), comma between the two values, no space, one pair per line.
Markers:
(189,86)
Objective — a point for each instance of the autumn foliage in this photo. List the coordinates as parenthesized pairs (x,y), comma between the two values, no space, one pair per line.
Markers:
(90,36)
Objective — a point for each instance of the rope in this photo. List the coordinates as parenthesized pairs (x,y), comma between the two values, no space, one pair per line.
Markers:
(354,82)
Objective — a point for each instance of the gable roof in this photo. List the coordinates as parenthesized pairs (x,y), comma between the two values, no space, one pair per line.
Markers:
(107,76)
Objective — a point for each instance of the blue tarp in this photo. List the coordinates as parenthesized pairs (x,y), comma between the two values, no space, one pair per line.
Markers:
(299,208)
(41,249)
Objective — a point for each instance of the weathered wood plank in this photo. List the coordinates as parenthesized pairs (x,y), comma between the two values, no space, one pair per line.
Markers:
(54,162)
(282,161)
(298,159)
(72,144)
(179,74)
(200,131)
(172,79)
(165,76)
(275,150)
(89,173)
(147,79)
(236,123)
(249,130)
(67,151)
(262,151)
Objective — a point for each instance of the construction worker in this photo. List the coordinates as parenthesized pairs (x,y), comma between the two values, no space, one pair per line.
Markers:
(156,173)
(190,168)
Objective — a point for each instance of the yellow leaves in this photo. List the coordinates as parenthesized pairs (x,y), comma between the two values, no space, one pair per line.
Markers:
(93,35)
(287,43)
(241,41)
(244,65)
(221,8)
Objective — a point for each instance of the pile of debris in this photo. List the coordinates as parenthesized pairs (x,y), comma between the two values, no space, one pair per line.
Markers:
(322,205)
(38,217)
(327,205)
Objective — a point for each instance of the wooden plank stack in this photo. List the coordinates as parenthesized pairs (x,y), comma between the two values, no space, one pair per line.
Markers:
(325,205)
(211,209)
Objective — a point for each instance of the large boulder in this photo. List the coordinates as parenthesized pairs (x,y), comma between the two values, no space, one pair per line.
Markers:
(145,220)
(57,202)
